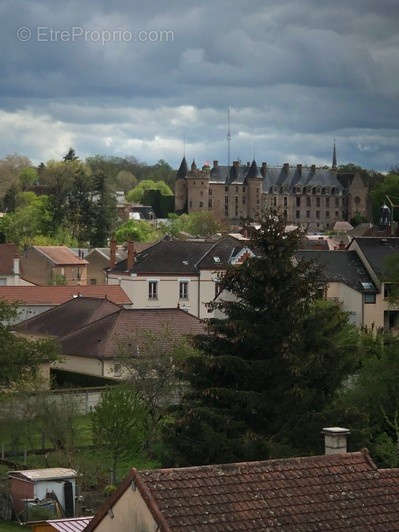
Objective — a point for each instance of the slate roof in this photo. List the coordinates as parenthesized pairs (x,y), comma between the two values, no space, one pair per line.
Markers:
(8,252)
(60,255)
(183,257)
(102,338)
(340,266)
(376,251)
(67,317)
(56,295)
(284,176)
(316,493)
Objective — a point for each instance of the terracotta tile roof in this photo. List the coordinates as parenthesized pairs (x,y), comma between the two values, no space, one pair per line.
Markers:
(101,339)
(56,295)
(318,493)
(67,317)
(8,252)
(61,255)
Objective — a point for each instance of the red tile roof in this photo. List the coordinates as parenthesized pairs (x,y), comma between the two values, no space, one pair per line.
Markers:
(102,338)
(61,255)
(317,493)
(8,252)
(56,295)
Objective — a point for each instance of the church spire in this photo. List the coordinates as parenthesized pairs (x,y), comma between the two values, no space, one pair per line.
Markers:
(334,160)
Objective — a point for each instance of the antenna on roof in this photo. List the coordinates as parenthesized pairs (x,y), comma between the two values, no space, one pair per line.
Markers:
(228,136)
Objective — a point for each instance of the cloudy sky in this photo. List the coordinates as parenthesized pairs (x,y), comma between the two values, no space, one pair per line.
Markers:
(127,77)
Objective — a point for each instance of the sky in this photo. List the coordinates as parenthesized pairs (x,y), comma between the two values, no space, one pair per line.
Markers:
(153,78)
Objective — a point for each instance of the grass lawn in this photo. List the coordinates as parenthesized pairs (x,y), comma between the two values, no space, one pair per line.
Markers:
(7,526)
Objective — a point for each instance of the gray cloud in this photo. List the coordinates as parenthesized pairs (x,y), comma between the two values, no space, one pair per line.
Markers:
(296,74)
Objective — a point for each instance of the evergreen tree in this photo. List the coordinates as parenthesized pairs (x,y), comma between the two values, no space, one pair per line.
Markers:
(275,360)
(103,211)
(70,156)
(79,207)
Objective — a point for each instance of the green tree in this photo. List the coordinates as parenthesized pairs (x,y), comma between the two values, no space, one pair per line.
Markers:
(136,230)
(125,180)
(70,156)
(203,224)
(270,364)
(20,358)
(118,425)
(103,212)
(137,193)
(28,177)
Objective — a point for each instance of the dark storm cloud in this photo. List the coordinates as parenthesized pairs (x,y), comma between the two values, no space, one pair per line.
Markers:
(296,73)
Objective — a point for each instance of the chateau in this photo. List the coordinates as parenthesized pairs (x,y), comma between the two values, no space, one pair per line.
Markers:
(311,196)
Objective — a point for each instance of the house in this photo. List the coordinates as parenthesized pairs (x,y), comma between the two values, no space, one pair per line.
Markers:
(10,266)
(46,265)
(336,491)
(374,253)
(99,259)
(348,282)
(175,273)
(91,332)
(33,300)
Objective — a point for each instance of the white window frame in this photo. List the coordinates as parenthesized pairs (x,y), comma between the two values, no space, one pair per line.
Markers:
(183,282)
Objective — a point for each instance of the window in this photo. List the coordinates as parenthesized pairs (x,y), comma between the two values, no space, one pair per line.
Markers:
(210,204)
(275,201)
(307,214)
(226,189)
(317,214)
(308,202)
(243,200)
(153,290)
(337,202)
(297,214)
(298,201)
(285,214)
(183,290)
(285,202)
(201,204)
(190,203)
(369,298)
(201,193)
(313,191)
(327,202)
(93,281)
(210,192)
(317,202)
(336,214)
(3,281)
(236,190)
(226,200)
(327,214)
(387,290)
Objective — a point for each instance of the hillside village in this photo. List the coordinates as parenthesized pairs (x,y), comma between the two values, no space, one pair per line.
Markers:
(150,379)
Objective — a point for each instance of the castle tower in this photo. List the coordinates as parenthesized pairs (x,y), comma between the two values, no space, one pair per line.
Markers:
(181,187)
(254,180)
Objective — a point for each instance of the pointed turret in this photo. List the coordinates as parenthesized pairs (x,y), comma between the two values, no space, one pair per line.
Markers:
(254,172)
(334,160)
(183,169)
(193,165)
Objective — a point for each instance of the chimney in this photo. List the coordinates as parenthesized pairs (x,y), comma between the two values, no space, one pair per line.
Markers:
(286,166)
(313,168)
(264,165)
(299,168)
(335,440)
(16,266)
(248,164)
(215,164)
(236,163)
(112,253)
(130,255)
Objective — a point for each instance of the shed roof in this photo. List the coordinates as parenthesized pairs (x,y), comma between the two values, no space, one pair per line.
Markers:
(49,473)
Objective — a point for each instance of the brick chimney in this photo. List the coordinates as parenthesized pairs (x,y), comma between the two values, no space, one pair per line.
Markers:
(112,253)
(335,440)
(130,255)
